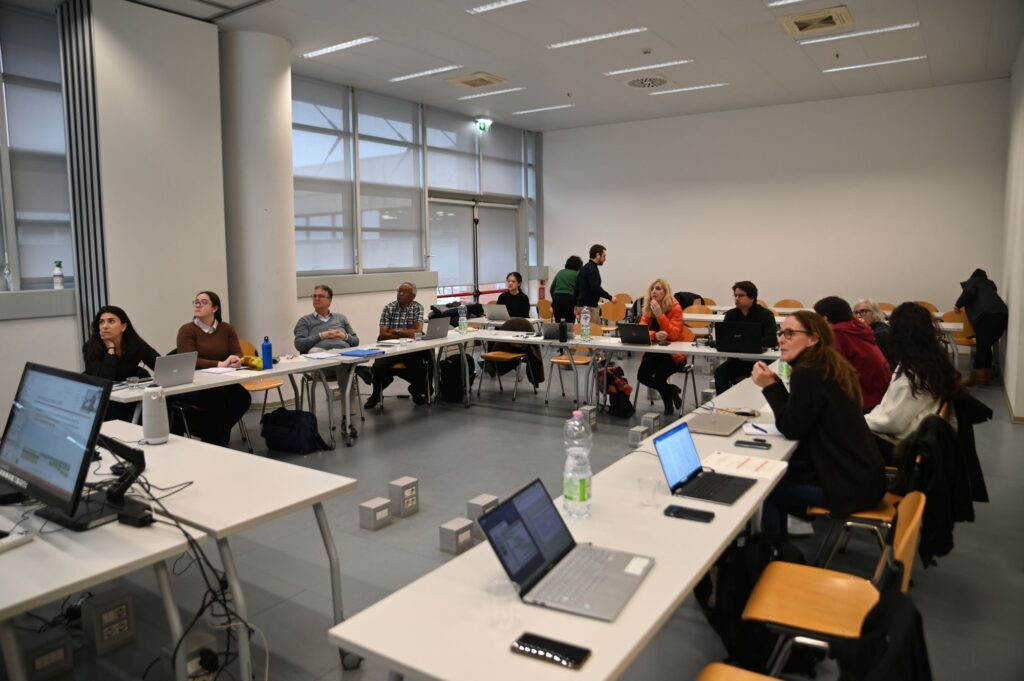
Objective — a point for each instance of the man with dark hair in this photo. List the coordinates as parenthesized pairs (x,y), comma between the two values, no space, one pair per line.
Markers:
(747,311)
(588,291)
(856,342)
(401,318)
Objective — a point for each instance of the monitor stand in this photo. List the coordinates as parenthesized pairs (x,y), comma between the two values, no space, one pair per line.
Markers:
(93,510)
(10,494)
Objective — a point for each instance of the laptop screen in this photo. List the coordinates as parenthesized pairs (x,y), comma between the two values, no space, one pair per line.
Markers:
(528,534)
(678,455)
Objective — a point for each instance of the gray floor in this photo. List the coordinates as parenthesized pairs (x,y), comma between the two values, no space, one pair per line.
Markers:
(971,602)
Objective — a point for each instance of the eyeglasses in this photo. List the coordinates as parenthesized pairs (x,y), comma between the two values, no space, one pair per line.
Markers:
(740,295)
(201,303)
(320,295)
(788,333)
(862,313)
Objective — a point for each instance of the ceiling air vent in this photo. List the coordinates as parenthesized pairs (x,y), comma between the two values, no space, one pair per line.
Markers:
(477,80)
(818,22)
(648,82)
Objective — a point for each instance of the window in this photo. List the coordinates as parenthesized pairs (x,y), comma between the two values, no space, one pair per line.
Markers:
(452,154)
(502,170)
(532,217)
(34,191)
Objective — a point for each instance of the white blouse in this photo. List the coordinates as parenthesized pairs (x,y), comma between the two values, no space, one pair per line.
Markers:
(900,411)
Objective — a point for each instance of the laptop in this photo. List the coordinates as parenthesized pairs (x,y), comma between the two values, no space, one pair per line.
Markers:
(496,313)
(686,477)
(721,425)
(175,369)
(436,328)
(738,337)
(634,334)
(550,331)
(549,568)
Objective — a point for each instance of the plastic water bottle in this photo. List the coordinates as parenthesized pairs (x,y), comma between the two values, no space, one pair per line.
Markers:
(266,354)
(58,276)
(463,324)
(577,476)
(785,371)
(585,324)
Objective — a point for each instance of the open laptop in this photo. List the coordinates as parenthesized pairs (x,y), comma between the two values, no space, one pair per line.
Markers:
(686,477)
(175,369)
(436,328)
(550,331)
(721,425)
(496,313)
(636,334)
(550,568)
(738,337)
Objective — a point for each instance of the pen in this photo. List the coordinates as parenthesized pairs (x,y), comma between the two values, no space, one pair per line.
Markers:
(759,428)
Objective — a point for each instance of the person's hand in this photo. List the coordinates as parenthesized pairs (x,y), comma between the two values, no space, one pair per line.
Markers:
(656,310)
(576,310)
(661,336)
(763,376)
(233,361)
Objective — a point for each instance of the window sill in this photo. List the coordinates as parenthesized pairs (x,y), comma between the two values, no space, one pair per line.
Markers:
(36,304)
(375,282)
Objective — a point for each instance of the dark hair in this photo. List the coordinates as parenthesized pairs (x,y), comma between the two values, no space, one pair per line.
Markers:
(918,354)
(325,287)
(130,339)
(834,309)
(518,276)
(747,287)
(215,301)
(573,262)
(824,354)
(596,250)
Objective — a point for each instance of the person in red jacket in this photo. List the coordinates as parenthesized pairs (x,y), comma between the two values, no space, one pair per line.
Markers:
(856,342)
(664,319)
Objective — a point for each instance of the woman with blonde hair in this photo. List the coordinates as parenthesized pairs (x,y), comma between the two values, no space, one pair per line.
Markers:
(664,319)
(836,463)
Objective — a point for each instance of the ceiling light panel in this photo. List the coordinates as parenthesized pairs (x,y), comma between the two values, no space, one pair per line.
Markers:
(341,46)
(492,6)
(650,67)
(489,94)
(595,38)
(692,88)
(858,34)
(874,64)
(431,72)
(546,108)
(781,3)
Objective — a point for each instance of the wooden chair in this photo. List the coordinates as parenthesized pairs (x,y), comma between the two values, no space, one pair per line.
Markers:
(788,302)
(575,359)
(795,600)
(497,357)
(962,339)
(709,301)
(623,298)
(614,312)
(258,385)
(544,309)
(928,306)
(697,309)
(887,308)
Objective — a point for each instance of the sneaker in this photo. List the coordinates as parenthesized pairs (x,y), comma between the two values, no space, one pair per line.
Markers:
(365,374)
(373,401)
(798,527)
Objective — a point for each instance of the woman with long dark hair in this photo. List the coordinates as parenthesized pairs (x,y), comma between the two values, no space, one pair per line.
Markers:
(114,351)
(836,463)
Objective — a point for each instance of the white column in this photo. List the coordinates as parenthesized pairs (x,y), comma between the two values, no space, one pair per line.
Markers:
(256,106)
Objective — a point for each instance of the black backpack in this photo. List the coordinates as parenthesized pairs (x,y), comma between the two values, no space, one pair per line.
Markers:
(451,377)
(288,430)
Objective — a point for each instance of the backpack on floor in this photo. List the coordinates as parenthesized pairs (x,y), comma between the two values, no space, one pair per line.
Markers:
(451,377)
(612,381)
(295,432)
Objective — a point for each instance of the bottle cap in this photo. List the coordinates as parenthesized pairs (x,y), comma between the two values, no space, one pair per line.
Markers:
(577,412)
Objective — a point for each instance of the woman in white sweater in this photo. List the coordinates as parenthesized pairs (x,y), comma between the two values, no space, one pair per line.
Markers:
(923,380)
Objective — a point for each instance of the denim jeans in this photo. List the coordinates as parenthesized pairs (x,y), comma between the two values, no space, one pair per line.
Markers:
(788,497)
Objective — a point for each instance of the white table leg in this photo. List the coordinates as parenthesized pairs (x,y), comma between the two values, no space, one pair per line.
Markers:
(348,660)
(238,601)
(173,621)
(12,656)
(347,423)
(466,388)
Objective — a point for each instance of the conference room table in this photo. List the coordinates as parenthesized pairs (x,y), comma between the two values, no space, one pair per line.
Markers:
(457,622)
(230,492)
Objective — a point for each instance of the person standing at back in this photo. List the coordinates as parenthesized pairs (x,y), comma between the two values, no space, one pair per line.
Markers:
(588,291)
(989,315)
(747,311)
(855,341)
(563,290)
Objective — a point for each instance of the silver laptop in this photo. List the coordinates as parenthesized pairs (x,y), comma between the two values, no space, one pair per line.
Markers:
(550,331)
(176,369)
(686,476)
(549,568)
(716,424)
(437,328)
(496,313)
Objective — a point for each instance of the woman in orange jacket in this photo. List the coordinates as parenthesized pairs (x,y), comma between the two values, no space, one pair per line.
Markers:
(664,318)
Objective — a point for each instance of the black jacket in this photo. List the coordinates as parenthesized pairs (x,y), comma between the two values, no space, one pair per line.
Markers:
(761,316)
(588,286)
(882,334)
(836,447)
(116,368)
(980,297)
(518,305)
(891,645)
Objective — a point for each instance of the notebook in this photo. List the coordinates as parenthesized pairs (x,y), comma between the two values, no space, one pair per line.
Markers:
(716,424)
(685,475)
(549,568)
(176,369)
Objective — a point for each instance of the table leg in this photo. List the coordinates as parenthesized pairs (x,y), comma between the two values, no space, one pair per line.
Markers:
(137,414)
(238,603)
(346,415)
(466,388)
(12,655)
(322,377)
(571,354)
(173,620)
(348,660)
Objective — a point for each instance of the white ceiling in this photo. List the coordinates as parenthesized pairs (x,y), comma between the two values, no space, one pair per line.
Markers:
(736,41)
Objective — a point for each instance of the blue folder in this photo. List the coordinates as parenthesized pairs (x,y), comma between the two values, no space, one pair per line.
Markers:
(363,352)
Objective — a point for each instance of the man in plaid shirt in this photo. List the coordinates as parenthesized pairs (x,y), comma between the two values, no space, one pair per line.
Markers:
(401,318)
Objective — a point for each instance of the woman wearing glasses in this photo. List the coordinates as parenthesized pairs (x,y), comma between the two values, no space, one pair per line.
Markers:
(836,463)
(664,319)
(867,311)
(217,345)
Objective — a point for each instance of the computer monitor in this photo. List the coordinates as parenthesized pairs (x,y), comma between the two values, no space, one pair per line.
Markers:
(50,436)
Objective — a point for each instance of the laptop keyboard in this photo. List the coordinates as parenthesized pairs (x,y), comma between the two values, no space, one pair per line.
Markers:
(580,572)
(708,485)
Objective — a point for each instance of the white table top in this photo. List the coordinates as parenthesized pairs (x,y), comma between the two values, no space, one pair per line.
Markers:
(58,563)
(484,321)
(231,491)
(443,626)
(783,313)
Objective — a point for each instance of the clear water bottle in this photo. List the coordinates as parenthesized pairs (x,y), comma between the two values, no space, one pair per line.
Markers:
(58,275)
(463,324)
(585,323)
(576,479)
(785,371)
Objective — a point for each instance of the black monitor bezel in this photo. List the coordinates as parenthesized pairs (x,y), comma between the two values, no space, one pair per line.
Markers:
(39,493)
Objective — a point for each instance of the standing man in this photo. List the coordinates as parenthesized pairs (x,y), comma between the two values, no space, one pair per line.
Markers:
(855,341)
(588,291)
(401,318)
(747,311)
(326,330)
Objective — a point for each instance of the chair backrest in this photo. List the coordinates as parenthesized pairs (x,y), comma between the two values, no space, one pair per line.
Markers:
(709,301)
(248,349)
(762,302)
(613,311)
(955,317)
(788,302)
(905,536)
(928,306)
(696,309)
(544,309)
(887,308)
(623,298)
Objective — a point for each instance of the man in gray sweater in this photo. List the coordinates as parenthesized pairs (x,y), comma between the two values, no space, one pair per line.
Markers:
(326,330)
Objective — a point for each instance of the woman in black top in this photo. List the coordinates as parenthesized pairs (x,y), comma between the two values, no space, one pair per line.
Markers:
(517,302)
(114,351)
(836,463)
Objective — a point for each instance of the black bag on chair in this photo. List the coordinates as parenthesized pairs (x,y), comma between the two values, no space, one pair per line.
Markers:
(288,430)
(451,377)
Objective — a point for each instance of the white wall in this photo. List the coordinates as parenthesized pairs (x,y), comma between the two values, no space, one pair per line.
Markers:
(158,99)
(1012,285)
(51,340)
(896,196)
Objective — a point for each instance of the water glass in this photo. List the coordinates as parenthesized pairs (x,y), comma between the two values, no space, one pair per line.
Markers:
(649,488)
(132,382)
(418,336)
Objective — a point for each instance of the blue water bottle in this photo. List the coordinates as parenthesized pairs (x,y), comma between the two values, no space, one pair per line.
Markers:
(266,354)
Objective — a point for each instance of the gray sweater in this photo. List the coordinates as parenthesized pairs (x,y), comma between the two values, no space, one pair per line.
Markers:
(308,329)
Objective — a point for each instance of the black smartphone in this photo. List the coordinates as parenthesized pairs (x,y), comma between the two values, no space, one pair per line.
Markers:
(689,514)
(549,650)
(753,444)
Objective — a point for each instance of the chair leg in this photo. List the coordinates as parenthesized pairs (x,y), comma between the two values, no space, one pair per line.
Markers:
(780,655)
(480,383)
(515,387)
(547,391)
(497,375)
(245,434)
(263,409)
(280,395)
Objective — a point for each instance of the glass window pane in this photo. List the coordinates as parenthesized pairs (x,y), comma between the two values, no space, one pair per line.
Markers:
(383,163)
(531,147)
(318,104)
(39,244)
(496,244)
(324,238)
(451,244)
(35,118)
(321,155)
(503,142)
(503,177)
(452,170)
(455,132)
(392,238)
(40,187)
(392,119)
(29,45)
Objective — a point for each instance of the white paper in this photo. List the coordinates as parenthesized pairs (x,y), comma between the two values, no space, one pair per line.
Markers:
(757,429)
(322,355)
(637,566)
(217,370)
(748,465)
